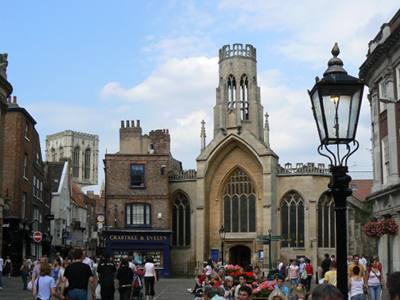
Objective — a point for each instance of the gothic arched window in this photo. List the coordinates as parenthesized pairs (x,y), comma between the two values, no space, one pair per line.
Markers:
(61,153)
(244,97)
(239,203)
(181,221)
(292,220)
(87,163)
(231,92)
(53,154)
(75,162)
(326,222)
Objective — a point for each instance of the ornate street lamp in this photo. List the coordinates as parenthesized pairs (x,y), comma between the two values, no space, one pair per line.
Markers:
(336,102)
(222,237)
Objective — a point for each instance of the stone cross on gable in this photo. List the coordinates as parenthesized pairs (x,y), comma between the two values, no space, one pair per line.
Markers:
(3,64)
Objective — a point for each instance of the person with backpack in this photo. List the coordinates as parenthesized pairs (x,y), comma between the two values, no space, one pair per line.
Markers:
(125,280)
(44,287)
(106,271)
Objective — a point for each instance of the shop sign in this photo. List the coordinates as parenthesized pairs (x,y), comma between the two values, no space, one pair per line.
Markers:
(137,237)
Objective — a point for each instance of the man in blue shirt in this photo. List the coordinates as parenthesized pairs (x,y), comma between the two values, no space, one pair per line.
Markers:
(280,285)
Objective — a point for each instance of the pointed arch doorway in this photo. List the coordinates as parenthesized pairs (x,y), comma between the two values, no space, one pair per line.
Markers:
(240,255)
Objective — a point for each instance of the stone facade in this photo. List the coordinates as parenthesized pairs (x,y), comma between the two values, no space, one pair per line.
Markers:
(26,193)
(81,149)
(5,91)
(238,163)
(381,73)
(241,142)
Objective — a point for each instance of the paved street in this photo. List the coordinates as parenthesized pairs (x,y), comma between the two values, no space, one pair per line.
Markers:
(166,289)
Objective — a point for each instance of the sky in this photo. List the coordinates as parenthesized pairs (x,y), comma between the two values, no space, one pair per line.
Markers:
(87,65)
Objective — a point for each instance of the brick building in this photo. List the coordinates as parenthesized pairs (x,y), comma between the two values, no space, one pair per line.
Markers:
(5,91)
(26,194)
(137,208)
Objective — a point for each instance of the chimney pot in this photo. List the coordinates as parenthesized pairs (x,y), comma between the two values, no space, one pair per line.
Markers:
(127,123)
(14,99)
(132,123)
(122,124)
(138,123)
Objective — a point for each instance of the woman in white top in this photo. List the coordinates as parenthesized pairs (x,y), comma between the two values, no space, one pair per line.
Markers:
(356,285)
(150,277)
(375,281)
(44,287)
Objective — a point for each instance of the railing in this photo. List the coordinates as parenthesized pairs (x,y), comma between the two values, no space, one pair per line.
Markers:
(303,169)
(185,175)
(237,50)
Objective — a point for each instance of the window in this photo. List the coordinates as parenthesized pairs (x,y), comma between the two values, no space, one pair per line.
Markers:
(25,166)
(36,219)
(137,175)
(34,185)
(27,131)
(23,208)
(53,154)
(326,222)
(87,164)
(244,98)
(382,86)
(181,221)
(239,203)
(292,220)
(138,215)
(385,159)
(398,81)
(231,92)
(75,162)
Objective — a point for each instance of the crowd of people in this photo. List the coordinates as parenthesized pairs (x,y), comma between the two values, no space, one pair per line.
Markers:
(79,277)
(292,281)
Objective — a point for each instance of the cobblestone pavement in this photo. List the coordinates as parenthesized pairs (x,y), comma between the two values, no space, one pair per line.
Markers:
(166,289)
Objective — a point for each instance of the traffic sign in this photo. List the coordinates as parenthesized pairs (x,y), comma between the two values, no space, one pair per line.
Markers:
(37,236)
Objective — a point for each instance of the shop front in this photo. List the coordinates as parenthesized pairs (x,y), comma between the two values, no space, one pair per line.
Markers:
(140,244)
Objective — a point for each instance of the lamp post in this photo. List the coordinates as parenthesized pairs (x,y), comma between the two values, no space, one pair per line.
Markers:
(222,237)
(336,102)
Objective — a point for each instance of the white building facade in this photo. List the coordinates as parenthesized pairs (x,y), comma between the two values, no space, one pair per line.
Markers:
(381,72)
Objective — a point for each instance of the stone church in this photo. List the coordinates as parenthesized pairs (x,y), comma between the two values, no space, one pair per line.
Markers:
(238,185)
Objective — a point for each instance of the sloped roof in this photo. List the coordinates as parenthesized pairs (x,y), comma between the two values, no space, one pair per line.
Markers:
(55,170)
(78,196)
(361,188)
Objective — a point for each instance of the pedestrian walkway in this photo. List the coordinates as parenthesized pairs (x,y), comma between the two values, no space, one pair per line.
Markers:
(166,289)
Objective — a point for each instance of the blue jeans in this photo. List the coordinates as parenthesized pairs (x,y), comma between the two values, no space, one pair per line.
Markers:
(358,297)
(374,292)
(294,281)
(77,294)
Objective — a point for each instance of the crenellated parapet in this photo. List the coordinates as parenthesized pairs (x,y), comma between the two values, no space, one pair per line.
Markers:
(239,50)
(303,169)
(184,175)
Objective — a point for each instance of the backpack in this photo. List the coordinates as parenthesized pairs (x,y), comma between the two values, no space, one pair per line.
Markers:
(137,283)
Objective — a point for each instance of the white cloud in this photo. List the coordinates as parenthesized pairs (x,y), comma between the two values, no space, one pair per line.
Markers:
(178,85)
(309,28)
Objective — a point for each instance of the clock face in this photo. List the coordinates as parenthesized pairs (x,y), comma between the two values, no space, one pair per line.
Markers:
(100,218)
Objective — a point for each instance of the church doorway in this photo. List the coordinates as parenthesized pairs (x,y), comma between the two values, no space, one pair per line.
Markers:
(240,255)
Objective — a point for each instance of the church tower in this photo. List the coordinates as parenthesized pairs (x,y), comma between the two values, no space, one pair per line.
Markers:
(238,104)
